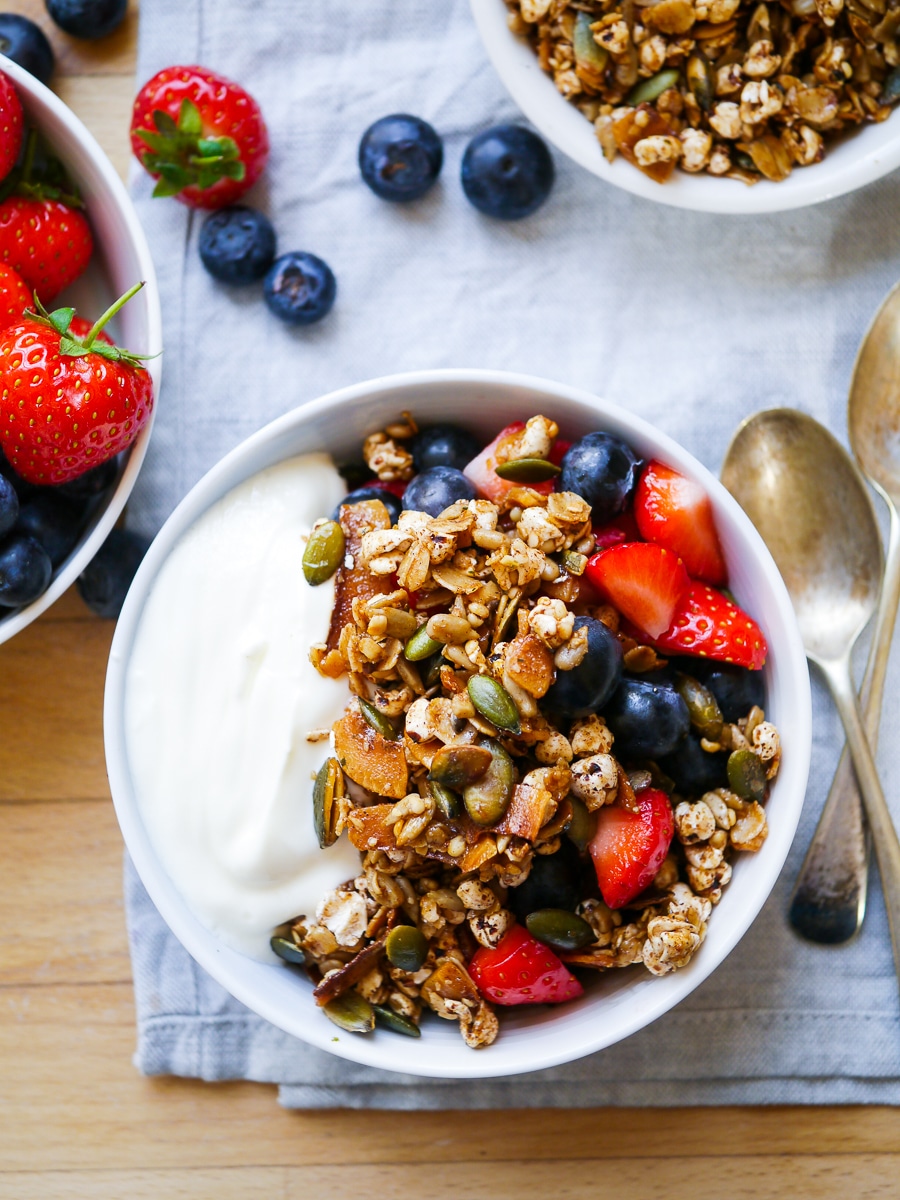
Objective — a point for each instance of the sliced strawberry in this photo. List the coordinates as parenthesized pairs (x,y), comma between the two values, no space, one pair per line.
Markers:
(522,971)
(708,624)
(558,451)
(481,471)
(629,847)
(622,529)
(644,582)
(675,512)
(395,486)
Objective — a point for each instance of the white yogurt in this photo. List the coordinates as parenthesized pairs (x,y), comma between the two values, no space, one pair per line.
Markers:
(220,697)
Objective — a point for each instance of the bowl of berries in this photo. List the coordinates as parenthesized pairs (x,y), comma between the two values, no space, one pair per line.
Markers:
(512,723)
(77,287)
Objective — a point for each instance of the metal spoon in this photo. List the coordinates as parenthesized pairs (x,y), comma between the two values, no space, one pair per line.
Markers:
(829,899)
(806,497)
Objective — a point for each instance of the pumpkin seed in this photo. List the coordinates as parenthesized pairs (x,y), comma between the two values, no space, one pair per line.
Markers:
(446,801)
(488,798)
(421,646)
(890,93)
(700,80)
(706,716)
(406,947)
(458,766)
(747,775)
(324,553)
(559,929)
(652,88)
(587,52)
(527,470)
(574,562)
(351,1012)
(743,160)
(583,826)
(329,786)
(395,1022)
(287,950)
(494,702)
(431,670)
(378,720)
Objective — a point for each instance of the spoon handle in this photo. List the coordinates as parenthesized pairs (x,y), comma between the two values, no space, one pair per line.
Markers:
(829,898)
(884,835)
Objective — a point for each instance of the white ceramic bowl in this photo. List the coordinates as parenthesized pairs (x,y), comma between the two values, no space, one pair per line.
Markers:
(121,257)
(617,1003)
(857,159)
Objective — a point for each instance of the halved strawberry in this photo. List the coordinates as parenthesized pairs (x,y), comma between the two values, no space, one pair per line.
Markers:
(482,474)
(675,512)
(708,624)
(521,970)
(643,581)
(629,847)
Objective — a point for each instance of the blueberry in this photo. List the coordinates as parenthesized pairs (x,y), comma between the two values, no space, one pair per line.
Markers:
(587,687)
(87,18)
(92,483)
(237,244)
(692,769)
(443,446)
(435,489)
(26,44)
(736,688)
(507,172)
(388,499)
(400,157)
(9,506)
(25,570)
(554,881)
(603,470)
(300,288)
(104,582)
(53,522)
(647,719)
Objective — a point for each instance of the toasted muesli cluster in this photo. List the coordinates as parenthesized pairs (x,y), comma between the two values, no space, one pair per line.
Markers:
(480,805)
(744,90)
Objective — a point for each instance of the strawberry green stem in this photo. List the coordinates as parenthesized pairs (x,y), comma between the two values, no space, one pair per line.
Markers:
(109,314)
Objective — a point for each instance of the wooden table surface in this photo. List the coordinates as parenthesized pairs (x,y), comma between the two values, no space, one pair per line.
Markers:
(77,1120)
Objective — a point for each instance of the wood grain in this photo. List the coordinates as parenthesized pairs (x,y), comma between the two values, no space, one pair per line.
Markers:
(76,1119)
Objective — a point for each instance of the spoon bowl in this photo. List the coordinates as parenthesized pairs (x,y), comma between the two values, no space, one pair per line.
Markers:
(873,410)
(802,492)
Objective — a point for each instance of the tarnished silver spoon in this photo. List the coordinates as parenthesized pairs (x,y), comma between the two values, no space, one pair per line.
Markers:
(829,899)
(808,500)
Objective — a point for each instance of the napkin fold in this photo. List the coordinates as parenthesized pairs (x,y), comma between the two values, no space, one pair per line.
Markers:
(693,321)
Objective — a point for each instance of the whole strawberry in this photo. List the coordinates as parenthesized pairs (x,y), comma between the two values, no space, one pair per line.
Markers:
(68,402)
(11,126)
(46,241)
(201,135)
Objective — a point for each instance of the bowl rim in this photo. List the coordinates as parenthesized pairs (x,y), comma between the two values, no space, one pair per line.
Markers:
(206,948)
(538,98)
(24,81)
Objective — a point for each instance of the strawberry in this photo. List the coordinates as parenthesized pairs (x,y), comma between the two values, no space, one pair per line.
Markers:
(69,402)
(630,845)
(47,241)
(14,295)
(644,582)
(675,512)
(200,135)
(481,472)
(12,126)
(708,624)
(521,970)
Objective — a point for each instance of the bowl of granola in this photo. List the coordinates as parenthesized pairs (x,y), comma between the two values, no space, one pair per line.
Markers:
(496,739)
(720,107)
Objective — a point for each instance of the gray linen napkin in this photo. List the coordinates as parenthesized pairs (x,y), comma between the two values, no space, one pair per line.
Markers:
(691,320)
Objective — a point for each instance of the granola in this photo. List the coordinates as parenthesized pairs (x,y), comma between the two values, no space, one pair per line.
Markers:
(744,90)
(463,770)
